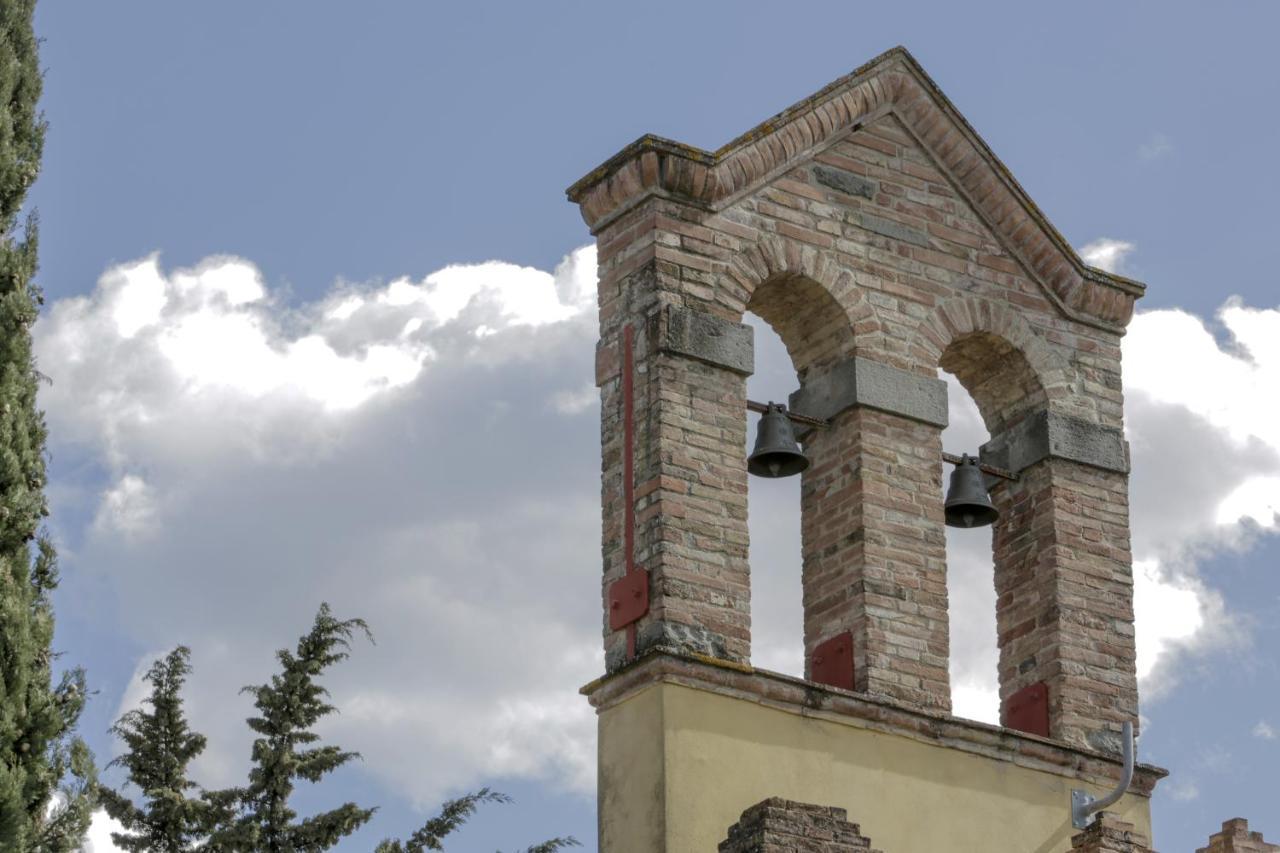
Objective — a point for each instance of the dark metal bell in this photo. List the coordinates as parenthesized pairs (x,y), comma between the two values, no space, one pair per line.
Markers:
(968,504)
(776,453)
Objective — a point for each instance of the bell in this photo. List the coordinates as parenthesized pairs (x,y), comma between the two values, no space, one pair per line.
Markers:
(776,454)
(968,504)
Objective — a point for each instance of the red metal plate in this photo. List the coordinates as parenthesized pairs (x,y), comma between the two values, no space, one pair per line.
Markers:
(832,662)
(628,599)
(1028,710)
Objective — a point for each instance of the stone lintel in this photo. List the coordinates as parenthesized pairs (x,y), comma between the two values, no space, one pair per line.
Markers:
(866,711)
(861,382)
(1049,434)
(697,334)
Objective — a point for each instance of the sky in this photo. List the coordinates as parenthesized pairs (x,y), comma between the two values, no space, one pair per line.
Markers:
(319,327)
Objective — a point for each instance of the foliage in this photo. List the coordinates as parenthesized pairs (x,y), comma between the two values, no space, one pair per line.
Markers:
(47,779)
(454,814)
(288,707)
(160,747)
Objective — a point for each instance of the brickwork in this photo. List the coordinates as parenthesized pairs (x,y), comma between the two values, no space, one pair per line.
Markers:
(875,553)
(782,826)
(868,222)
(1109,834)
(1235,837)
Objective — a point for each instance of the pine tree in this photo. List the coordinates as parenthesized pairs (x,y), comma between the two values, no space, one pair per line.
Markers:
(46,773)
(453,814)
(288,708)
(160,747)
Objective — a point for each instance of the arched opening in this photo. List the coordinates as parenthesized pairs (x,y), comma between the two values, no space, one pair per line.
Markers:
(773,522)
(798,327)
(975,687)
(991,387)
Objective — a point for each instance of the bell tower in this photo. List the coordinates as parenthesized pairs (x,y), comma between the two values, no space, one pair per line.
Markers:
(874,230)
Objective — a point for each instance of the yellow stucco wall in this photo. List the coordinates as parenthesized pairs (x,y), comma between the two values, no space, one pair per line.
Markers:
(679,765)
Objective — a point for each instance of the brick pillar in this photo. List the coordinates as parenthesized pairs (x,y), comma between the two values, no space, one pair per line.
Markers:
(781,826)
(688,512)
(875,553)
(1064,579)
(1109,834)
(1235,837)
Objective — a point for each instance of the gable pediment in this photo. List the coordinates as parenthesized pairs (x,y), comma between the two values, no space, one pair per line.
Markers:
(892,84)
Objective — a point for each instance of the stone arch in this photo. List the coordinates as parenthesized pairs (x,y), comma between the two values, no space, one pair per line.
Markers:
(805,295)
(1009,370)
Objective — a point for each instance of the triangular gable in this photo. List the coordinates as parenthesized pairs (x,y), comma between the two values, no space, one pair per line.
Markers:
(893,83)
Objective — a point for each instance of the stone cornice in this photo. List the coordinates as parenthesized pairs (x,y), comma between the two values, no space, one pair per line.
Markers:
(879,713)
(893,83)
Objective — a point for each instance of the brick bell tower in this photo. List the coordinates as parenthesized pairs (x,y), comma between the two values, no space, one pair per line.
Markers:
(881,238)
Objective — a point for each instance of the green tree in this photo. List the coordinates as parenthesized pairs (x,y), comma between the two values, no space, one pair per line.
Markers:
(453,814)
(160,747)
(46,773)
(258,817)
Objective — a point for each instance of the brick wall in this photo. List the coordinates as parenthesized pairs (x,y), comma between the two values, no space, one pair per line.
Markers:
(782,826)
(873,230)
(1235,837)
(1109,834)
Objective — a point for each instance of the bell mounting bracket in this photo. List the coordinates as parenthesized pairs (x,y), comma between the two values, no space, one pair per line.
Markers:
(628,599)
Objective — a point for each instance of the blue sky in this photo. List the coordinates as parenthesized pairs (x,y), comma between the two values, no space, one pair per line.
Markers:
(318,328)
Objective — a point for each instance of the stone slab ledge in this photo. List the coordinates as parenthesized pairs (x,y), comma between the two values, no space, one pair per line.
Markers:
(864,711)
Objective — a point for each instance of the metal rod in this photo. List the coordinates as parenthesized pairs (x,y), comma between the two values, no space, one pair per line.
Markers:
(1083,806)
(796,417)
(1002,473)
(753,406)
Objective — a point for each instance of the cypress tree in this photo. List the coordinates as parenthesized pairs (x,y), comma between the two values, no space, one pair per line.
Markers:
(160,746)
(46,773)
(288,707)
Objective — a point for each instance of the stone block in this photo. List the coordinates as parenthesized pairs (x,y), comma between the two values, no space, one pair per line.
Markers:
(896,230)
(845,182)
(861,382)
(1047,434)
(707,338)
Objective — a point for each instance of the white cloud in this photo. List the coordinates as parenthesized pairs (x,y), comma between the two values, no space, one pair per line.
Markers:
(387,448)
(1265,731)
(1159,145)
(128,506)
(975,702)
(1202,421)
(577,401)
(1166,610)
(98,839)
(1172,357)
(1256,499)
(1107,254)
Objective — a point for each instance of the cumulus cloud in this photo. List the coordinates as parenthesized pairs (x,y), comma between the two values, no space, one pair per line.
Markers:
(1107,254)
(1265,731)
(387,448)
